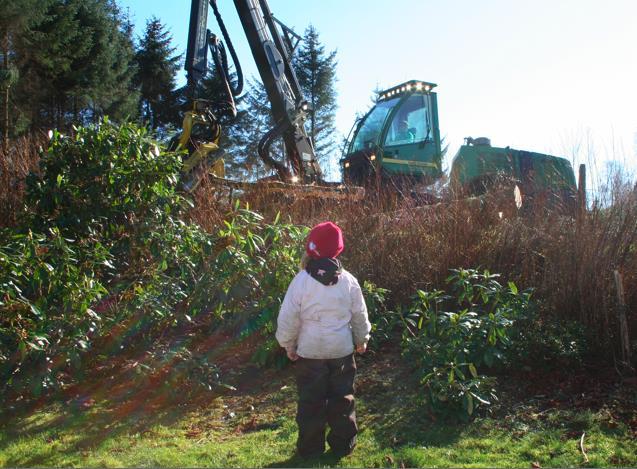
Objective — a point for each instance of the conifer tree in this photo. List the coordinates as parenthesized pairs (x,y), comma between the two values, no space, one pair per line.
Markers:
(157,69)
(118,97)
(252,123)
(253,128)
(16,19)
(316,71)
(75,64)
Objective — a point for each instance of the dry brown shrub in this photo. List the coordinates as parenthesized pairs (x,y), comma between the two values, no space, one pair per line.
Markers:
(399,245)
(403,246)
(16,162)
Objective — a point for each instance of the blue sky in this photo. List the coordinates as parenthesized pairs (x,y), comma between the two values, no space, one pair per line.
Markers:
(556,76)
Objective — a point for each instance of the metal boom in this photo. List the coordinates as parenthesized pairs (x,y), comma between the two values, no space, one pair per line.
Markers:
(273,59)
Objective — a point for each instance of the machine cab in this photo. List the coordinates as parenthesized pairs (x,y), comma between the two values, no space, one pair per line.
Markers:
(399,136)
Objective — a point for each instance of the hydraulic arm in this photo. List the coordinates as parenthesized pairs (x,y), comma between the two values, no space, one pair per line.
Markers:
(273,59)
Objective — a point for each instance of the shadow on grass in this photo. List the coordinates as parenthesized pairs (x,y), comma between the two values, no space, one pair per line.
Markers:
(327,459)
(387,396)
(386,405)
(101,410)
(127,399)
(89,426)
(391,411)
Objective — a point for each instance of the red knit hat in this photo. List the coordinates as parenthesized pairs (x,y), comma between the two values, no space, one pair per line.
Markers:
(325,240)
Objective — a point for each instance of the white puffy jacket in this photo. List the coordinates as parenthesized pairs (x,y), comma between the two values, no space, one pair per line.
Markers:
(323,321)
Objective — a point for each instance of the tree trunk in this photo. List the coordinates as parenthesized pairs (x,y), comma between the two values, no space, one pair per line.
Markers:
(5,119)
(5,103)
(313,110)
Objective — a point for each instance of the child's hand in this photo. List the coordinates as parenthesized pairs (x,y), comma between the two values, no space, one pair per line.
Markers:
(292,354)
(361,348)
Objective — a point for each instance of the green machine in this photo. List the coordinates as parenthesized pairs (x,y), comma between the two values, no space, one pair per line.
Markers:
(478,166)
(399,138)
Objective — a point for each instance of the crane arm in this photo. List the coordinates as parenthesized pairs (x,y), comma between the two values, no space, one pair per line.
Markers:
(272,55)
(289,109)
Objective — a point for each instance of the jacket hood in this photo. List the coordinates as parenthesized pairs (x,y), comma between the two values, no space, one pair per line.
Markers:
(326,270)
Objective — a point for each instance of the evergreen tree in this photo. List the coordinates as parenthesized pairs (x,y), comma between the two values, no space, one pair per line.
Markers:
(157,69)
(75,65)
(258,109)
(16,19)
(254,121)
(316,72)
(118,97)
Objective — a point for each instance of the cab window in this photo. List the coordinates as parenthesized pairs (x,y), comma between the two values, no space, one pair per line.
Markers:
(372,127)
(410,123)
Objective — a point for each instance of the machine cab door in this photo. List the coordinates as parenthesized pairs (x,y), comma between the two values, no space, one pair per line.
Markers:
(371,127)
(409,141)
(359,162)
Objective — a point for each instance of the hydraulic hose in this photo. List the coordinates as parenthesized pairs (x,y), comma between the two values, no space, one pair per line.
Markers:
(236,90)
(264,150)
(221,65)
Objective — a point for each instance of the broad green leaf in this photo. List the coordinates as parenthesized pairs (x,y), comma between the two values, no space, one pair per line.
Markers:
(36,311)
(481,399)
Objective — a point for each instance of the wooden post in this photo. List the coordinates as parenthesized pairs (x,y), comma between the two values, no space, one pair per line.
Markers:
(623,323)
(581,191)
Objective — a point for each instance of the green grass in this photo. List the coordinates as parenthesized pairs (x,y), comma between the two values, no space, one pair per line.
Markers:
(254,426)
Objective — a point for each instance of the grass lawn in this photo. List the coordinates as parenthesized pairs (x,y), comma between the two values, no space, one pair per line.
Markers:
(254,426)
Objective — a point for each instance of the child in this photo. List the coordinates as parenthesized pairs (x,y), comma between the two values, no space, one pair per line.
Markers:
(322,319)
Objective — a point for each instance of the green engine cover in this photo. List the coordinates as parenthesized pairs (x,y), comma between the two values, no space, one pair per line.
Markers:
(475,166)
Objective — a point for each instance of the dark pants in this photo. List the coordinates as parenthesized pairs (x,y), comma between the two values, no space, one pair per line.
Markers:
(326,396)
